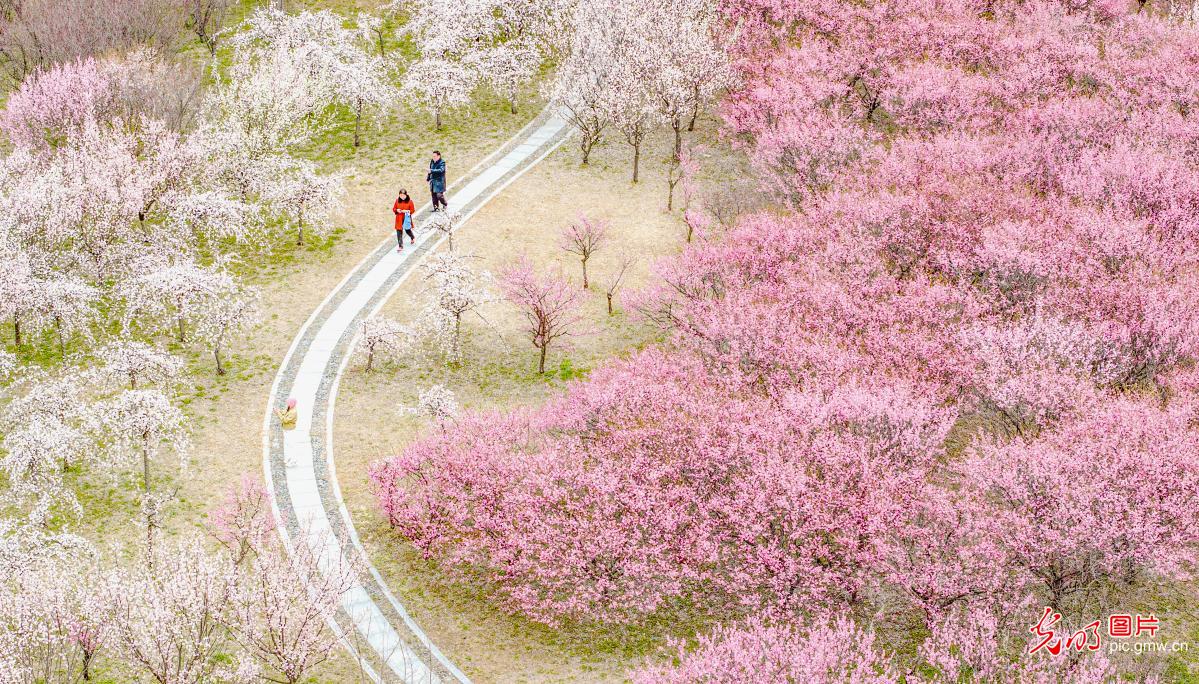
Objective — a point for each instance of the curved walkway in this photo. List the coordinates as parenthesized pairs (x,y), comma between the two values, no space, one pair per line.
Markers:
(299,464)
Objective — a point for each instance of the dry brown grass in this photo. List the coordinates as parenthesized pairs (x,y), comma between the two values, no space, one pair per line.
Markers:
(499,372)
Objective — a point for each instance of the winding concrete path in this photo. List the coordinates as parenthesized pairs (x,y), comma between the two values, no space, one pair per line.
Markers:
(299,464)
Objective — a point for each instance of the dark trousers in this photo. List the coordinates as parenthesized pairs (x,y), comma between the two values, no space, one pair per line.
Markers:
(438,198)
(400,236)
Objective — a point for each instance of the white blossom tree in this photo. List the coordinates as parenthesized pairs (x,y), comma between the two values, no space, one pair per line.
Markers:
(136,362)
(18,292)
(307,198)
(364,86)
(53,416)
(226,316)
(457,291)
(175,294)
(581,93)
(382,338)
(439,85)
(27,545)
(66,305)
(57,619)
(438,403)
(168,618)
(445,222)
(506,67)
(138,424)
(281,605)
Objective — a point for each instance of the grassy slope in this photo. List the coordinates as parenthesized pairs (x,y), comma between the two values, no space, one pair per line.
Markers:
(227,411)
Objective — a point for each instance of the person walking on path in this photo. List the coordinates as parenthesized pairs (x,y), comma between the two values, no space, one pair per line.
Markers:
(436,179)
(403,209)
(288,416)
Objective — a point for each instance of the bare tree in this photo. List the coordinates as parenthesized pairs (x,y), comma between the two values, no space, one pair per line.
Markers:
(206,19)
(35,33)
(617,279)
(583,238)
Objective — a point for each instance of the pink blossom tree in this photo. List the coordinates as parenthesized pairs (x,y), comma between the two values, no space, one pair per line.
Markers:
(835,650)
(243,521)
(281,601)
(974,282)
(51,104)
(582,238)
(548,305)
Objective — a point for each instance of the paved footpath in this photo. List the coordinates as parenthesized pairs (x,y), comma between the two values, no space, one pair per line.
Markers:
(299,464)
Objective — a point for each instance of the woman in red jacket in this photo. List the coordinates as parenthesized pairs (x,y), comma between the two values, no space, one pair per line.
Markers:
(403,209)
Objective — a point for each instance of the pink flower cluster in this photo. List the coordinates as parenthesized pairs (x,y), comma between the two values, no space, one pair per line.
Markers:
(956,373)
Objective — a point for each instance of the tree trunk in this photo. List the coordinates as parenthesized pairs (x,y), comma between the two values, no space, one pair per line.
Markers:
(609,303)
(457,337)
(541,361)
(16,328)
(586,146)
(370,359)
(437,120)
(357,127)
(670,183)
(216,354)
(677,125)
(636,161)
(182,330)
(512,102)
(300,234)
(586,285)
(694,116)
(62,345)
(146,463)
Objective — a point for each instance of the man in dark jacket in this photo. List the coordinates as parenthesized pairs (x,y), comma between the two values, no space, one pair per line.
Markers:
(436,179)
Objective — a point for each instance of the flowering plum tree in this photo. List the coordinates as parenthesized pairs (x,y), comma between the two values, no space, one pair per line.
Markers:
(224,317)
(206,19)
(382,338)
(439,85)
(445,222)
(438,403)
(50,105)
(306,197)
(547,303)
(168,618)
(582,238)
(135,362)
(832,651)
(139,421)
(616,279)
(975,281)
(457,291)
(243,522)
